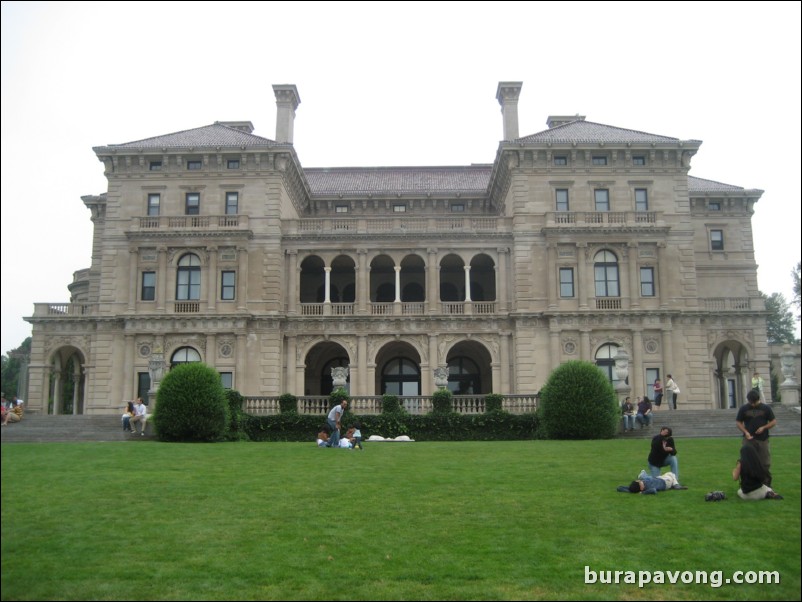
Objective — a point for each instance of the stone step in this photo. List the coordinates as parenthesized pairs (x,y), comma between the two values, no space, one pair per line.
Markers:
(683,423)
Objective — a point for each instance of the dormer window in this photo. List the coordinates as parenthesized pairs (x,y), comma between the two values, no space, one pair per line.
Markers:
(638,160)
(155,166)
(399,208)
(194,165)
(233,164)
(561,160)
(341,209)
(599,160)
(714,206)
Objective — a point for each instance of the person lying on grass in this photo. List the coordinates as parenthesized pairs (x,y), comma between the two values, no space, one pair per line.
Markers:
(649,485)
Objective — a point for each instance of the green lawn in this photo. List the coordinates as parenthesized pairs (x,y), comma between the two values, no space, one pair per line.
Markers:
(434,521)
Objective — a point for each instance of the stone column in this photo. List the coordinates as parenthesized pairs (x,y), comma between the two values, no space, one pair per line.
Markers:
(57,404)
(432,281)
(133,272)
(467,269)
(161,287)
(128,367)
(362,359)
(582,284)
(242,278)
(637,358)
(552,270)
(293,294)
(634,281)
(397,269)
(289,385)
(584,346)
(501,279)
(363,281)
(327,285)
(212,278)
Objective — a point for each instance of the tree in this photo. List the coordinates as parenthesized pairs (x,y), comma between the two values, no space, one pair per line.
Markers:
(796,301)
(11,364)
(780,327)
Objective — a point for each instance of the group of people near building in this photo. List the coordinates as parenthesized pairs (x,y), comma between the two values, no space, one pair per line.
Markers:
(135,413)
(329,434)
(753,469)
(12,410)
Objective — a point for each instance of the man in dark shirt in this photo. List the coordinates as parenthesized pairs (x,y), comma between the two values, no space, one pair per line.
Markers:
(663,453)
(754,420)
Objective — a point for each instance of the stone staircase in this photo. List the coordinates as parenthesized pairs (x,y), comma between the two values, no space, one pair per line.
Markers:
(38,428)
(713,423)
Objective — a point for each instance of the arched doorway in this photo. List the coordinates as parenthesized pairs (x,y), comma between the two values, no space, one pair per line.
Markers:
(320,359)
(469,369)
(67,382)
(731,374)
(398,370)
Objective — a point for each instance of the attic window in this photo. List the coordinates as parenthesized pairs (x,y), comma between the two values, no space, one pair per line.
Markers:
(561,160)
(193,165)
(599,160)
(639,160)
(155,166)
(341,209)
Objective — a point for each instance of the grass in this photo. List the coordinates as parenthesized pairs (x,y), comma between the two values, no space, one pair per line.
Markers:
(421,521)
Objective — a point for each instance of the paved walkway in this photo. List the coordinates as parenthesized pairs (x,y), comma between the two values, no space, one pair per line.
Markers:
(690,423)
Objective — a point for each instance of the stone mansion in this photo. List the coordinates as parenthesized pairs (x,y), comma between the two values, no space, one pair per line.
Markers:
(582,241)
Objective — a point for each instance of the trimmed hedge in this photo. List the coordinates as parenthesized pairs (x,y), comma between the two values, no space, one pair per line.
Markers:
(578,402)
(191,405)
(491,426)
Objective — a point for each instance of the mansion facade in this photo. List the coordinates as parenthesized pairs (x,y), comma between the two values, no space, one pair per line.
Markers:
(583,241)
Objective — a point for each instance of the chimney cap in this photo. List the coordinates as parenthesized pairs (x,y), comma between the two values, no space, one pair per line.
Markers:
(243,126)
(508,91)
(287,93)
(554,120)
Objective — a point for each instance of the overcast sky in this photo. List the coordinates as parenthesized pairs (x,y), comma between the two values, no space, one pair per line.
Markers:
(382,83)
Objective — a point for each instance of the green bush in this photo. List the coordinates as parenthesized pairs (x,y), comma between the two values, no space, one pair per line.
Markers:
(442,402)
(288,404)
(578,402)
(493,402)
(391,404)
(191,405)
(338,396)
(237,417)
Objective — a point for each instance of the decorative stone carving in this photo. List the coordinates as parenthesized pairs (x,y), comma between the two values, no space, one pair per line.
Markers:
(441,377)
(787,360)
(339,376)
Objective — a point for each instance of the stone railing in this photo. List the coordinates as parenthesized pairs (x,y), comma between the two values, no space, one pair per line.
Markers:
(67,310)
(733,303)
(190,222)
(601,218)
(371,404)
(414,308)
(395,225)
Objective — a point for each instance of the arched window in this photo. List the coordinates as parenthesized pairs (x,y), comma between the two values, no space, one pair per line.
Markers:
(187,286)
(464,377)
(401,377)
(184,355)
(605,270)
(605,360)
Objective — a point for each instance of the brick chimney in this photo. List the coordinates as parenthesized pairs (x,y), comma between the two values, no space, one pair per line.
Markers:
(287,100)
(507,95)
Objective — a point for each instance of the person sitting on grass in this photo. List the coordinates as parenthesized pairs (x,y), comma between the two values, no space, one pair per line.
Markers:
(323,438)
(649,485)
(752,473)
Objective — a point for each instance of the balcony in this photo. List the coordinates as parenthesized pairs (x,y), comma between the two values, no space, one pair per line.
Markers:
(734,304)
(66,310)
(415,308)
(198,223)
(608,219)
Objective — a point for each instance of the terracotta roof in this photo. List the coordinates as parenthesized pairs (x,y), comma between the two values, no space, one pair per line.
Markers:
(471,179)
(700,185)
(213,135)
(588,131)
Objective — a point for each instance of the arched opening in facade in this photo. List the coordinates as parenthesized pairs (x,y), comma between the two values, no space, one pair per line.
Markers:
(382,279)
(732,378)
(452,278)
(184,355)
(312,280)
(469,369)
(413,279)
(320,359)
(67,382)
(398,370)
(343,280)
(605,360)
(483,278)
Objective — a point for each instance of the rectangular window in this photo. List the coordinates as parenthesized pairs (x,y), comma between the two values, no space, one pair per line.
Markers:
(193,203)
(561,160)
(599,160)
(232,203)
(566,282)
(154,202)
(457,207)
(228,285)
(155,166)
(232,164)
(227,378)
(148,286)
(647,282)
(562,199)
(714,206)
(639,160)
(399,208)
(143,385)
(341,209)
(602,197)
(641,199)
(652,374)
(194,165)
(717,240)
